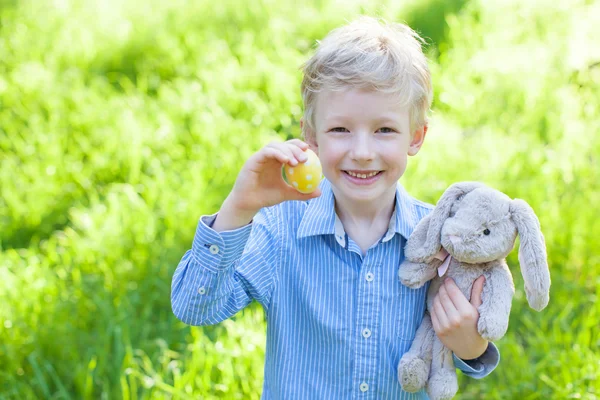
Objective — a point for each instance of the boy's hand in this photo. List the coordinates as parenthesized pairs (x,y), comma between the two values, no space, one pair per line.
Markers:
(260,184)
(455,319)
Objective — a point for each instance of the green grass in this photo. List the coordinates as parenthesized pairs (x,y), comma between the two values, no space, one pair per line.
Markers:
(122,122)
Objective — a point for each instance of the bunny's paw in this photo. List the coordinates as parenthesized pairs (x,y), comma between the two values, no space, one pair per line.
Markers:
(415,275)
(491,327)
(412,373)
(442,385)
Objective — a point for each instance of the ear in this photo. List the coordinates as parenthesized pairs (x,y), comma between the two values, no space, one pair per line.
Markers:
(532,254)
(432,241)
(418,137)
(308,135)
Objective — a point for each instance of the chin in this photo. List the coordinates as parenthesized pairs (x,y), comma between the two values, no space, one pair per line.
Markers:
(364,197)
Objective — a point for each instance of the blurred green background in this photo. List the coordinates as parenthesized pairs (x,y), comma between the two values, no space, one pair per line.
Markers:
(121,122)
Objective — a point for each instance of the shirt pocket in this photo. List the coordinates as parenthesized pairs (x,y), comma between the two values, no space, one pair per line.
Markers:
(410,311)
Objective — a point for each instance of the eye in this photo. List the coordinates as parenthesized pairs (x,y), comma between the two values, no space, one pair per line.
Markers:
(339,129)
(460,196)
(486,232)
(386,130)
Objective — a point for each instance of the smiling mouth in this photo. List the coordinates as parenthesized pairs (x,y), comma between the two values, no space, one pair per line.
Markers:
(363,175)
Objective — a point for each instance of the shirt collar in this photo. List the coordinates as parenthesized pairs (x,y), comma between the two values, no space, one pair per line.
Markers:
(320,217)
(405,216)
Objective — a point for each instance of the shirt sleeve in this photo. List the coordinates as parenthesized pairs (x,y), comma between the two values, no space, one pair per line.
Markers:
(482,366)
(224,271)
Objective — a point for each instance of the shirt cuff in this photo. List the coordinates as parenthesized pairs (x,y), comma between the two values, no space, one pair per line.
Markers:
(218,250)
(482,366)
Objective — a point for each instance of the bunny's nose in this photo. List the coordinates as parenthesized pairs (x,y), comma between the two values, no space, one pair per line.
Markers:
(455,239)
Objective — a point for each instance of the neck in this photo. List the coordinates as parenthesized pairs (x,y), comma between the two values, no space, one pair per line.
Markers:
(366,214)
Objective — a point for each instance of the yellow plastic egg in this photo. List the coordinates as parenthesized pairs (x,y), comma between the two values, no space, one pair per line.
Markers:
(305,177)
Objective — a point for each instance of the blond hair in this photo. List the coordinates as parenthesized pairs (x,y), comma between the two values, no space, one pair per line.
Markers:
(370,53)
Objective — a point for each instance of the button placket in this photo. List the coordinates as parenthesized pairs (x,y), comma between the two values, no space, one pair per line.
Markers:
(367,321)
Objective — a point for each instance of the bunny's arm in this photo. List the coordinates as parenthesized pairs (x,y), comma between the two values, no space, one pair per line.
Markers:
(416,274)
(418,267)
(496,298)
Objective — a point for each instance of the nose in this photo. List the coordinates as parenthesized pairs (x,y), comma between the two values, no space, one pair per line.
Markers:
(362,147)
(454,239)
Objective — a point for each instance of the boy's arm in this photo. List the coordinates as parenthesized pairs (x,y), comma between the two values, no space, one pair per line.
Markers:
(454,320)
(234,261)
(225,270)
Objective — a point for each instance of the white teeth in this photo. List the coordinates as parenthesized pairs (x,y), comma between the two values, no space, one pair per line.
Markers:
(363,176)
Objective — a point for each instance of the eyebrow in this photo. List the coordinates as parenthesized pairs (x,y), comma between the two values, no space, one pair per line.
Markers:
(382,122)
(385,119)
(387,116)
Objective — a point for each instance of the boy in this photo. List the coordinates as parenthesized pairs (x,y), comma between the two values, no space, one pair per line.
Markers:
(324,266)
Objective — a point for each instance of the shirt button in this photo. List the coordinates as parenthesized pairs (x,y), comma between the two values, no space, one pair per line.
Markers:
(364,387)
(214,249)
(366,332)
(202,290)
(369,276)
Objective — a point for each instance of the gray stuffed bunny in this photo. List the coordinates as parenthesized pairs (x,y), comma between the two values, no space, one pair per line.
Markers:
(468,234)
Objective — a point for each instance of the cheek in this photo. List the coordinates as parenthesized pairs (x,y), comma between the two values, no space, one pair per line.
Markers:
(396,164)
(330,155)
(395,154)
(401,163)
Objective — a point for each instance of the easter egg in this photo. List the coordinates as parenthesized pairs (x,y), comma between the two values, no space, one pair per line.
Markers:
(304,177)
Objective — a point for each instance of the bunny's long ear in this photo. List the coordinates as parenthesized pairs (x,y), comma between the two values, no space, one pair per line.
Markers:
(428,232)
(532,254)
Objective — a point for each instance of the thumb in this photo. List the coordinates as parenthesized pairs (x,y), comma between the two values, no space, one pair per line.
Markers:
(312,195)
(476,291)
(296,195)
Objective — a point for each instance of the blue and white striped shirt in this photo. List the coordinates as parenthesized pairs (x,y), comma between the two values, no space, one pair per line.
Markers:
(338,322)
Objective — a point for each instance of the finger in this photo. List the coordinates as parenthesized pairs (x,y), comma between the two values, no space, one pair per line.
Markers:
(440,314)
(476,292)
(314,194)
(286,150)
(298,153)
(456,295)
(299,143)
(434,320)
(270,153)
(451,312)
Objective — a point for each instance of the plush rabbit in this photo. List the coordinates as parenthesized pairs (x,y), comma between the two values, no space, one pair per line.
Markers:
(468,234)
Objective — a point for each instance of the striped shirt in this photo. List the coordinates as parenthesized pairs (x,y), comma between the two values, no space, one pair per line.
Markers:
(338,322)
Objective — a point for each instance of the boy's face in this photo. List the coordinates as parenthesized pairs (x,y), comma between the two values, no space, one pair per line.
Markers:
(360,133)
